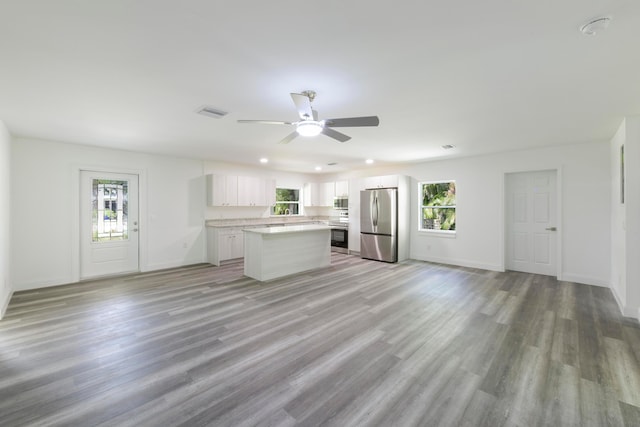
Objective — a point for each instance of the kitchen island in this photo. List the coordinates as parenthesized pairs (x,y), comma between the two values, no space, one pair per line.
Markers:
(275,252)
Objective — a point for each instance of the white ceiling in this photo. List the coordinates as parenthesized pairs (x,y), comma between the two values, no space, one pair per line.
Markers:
(485,76)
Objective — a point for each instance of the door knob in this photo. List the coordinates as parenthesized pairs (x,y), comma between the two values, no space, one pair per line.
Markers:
(135,229)
(551,228)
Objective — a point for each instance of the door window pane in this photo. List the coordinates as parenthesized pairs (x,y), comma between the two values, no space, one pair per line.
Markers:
(109,210)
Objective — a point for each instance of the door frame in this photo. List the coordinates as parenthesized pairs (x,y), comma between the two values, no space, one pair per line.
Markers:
(75,213)
(503,212)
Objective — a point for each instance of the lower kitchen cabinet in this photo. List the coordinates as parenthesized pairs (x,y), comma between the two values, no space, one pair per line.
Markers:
(224,244)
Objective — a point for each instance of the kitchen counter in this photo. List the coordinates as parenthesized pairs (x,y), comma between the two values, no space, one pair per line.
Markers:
(288,229)
(261,222)
(275,252)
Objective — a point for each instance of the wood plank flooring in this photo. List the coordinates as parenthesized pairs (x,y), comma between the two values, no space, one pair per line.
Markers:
(360,343)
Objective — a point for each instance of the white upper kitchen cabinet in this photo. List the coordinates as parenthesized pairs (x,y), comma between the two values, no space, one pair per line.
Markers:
(270,191)
(251,191)
(222,190)
(318,194)
(386,181)
(341,189)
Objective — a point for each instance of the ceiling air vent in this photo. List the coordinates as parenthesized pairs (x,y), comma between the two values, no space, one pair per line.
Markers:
(212,112)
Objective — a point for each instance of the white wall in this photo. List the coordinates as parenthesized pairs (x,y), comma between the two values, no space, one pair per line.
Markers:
(584,228)
(175,207)
(584,223)
(45,249)
(625,221)
(5,218)
(44,190)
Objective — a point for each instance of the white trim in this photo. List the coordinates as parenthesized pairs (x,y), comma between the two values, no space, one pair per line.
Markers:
(461,263)
(37,284)
(585,280)
(167,265)
(75,216)
(625,310)
(439,233)
(618,299)
(559,271)
(5,304)
(502,231)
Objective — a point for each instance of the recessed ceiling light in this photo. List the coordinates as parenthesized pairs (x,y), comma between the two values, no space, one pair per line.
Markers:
(318,168)
(264,160)
(448,146)
(595,26)
(369,161)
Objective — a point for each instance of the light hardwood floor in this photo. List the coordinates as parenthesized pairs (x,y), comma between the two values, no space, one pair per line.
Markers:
(359,343)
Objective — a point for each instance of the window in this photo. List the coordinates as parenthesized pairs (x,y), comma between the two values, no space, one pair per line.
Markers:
(109,202)
(438,209)
(287,202)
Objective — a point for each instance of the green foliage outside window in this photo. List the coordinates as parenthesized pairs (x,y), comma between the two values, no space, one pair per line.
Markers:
(439,206)
(287,202)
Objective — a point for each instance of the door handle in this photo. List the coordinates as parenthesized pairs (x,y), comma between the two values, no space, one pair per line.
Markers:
(551,229)
(375,216)
(135,229)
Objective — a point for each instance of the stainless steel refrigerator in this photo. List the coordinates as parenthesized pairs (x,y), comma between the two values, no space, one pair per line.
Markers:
(379,224)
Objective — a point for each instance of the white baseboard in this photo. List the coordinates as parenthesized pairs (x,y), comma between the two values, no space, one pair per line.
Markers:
(624,309)
(27,286)
(167,265)
(594,281)
(618,300)
(5,304)
(460,263)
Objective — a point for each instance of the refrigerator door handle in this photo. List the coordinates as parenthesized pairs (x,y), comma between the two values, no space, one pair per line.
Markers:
(374,211)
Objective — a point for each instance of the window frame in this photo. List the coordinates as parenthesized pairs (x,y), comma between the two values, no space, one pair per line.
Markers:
(421,207)
(298,203)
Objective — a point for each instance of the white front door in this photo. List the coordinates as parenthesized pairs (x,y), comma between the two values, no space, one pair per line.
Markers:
(108,224)
(531,222)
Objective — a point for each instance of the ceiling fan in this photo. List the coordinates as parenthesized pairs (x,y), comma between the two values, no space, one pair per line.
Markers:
(309,125)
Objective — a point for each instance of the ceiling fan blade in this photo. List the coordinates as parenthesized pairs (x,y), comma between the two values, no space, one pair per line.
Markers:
(287,139)
(303,105)
(353,122)
(340,137)
(266,122)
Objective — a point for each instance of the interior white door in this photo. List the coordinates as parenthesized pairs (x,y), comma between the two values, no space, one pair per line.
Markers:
(108,224)
(531,222)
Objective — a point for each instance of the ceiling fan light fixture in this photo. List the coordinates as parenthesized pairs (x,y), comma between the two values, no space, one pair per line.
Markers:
(309,128)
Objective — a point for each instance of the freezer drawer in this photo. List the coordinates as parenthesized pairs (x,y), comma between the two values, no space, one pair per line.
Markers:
(378,247)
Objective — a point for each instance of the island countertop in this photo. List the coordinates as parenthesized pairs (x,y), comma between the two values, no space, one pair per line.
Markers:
(288,229)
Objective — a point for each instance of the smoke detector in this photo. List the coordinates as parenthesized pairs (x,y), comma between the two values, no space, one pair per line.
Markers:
(595,26)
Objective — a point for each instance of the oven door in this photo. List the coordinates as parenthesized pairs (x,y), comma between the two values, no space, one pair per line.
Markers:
(340,237)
